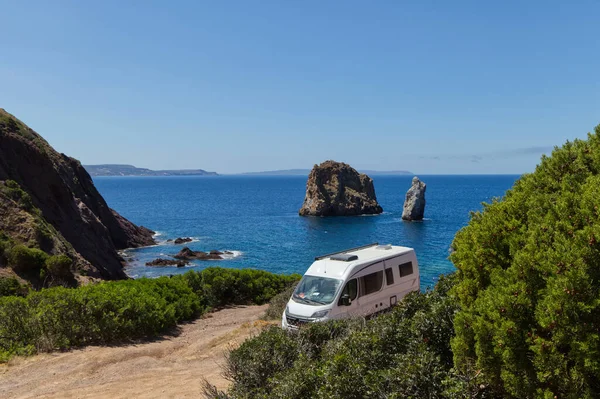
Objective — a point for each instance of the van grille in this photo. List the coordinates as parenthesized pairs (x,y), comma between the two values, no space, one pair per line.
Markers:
(295,321)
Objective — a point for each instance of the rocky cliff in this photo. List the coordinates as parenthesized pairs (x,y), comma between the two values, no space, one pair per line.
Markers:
(337,189)
(414,203)
(48,201)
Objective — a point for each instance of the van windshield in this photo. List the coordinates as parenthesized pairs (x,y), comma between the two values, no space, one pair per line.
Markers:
(313,290)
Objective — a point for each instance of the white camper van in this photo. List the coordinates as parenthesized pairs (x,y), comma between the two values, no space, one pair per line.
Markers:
(355,282)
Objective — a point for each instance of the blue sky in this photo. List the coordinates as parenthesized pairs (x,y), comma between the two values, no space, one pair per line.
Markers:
(432,87)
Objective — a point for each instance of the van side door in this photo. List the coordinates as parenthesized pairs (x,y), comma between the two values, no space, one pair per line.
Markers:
(392,279)
(370,286)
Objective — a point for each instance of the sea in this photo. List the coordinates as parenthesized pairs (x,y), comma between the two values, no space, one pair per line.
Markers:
(256,218)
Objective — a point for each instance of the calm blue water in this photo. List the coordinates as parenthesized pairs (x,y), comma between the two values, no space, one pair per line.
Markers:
(258,216)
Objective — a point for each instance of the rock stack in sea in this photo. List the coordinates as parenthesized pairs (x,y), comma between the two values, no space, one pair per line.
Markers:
(337,189)
(414,204)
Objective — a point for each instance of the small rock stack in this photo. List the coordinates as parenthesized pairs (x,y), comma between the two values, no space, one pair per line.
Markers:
(414,204)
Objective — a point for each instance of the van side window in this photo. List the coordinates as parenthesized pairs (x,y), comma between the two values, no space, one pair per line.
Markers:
(351,289)
(389,276)
(405,269)
(371,283)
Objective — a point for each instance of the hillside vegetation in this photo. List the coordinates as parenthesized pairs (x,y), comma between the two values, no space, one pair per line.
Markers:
(520,318)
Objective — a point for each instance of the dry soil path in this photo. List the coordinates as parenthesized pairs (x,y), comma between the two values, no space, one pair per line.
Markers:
(172,367)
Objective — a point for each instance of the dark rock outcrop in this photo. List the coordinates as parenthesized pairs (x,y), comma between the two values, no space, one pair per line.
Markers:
(337,189)
(188,254)
(67,201)
(414,204)
(182,240)
(166,262)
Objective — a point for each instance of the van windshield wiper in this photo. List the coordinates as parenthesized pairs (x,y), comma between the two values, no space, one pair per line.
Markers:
(314,301)
(308,300)
(305,300)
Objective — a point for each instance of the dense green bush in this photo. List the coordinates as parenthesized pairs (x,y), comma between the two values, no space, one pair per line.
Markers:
(278,303)
(10,286)
(224,286)
(58,318)
(14,192)
(24,259)
(59,266)
(529,281)
(4,246)
(404,353)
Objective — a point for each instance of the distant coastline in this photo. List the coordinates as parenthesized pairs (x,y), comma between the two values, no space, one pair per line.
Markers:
(130,170)
(305,172)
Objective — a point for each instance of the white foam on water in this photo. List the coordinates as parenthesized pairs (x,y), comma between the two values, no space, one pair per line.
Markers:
(232,255)
(193,239)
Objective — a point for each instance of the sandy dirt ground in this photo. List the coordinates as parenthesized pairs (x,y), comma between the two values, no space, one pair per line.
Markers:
(171,367)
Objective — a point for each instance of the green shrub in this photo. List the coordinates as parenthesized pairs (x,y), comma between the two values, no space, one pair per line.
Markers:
(10,286)
(14,192)
(59,266)
(258,359)
(278,303)
(24,259)
(4,247)
(529,273)
(222,286)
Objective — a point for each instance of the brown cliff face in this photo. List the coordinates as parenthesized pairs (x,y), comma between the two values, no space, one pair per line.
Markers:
(337,189)
(67,200)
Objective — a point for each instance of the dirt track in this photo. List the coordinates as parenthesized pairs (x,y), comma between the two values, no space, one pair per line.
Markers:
(172,367)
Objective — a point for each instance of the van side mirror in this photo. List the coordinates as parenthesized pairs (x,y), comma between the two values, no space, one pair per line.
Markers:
(345,300)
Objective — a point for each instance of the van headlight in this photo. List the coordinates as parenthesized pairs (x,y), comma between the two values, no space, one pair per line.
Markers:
(287,309)
(320,314)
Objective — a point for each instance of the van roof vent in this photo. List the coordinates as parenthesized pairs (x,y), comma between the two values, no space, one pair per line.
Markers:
(344,257)
(384,247)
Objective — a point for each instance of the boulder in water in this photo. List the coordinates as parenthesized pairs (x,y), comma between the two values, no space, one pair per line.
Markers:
(182,240)
(414,204)
(337,189)
(188,254)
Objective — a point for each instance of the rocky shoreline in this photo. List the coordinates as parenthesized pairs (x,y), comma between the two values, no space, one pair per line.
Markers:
(186,255)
